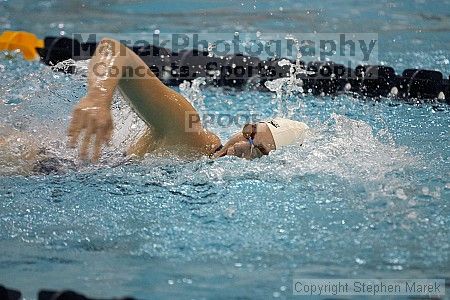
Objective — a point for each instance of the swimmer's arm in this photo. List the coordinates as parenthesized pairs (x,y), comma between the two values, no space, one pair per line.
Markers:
(93,113)
(160,107)
(143,145)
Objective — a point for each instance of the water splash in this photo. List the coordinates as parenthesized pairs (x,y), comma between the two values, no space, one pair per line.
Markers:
(192,91)
(128,127)
(292,85)
(338,147)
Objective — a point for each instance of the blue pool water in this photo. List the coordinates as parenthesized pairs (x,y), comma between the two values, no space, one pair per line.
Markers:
(366,196)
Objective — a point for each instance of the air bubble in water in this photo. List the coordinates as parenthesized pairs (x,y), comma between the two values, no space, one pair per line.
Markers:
(348,87)
(400,193)
(360,261)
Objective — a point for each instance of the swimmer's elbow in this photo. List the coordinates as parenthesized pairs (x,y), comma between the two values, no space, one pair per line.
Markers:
(108,41)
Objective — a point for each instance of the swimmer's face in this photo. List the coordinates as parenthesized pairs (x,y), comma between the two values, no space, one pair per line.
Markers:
(249,131)
(255,138)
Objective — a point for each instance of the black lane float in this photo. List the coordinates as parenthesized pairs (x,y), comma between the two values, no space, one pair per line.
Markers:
(239,71)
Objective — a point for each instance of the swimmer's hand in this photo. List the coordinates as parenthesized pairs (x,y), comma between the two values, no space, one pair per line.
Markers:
(95,119)
(240,149)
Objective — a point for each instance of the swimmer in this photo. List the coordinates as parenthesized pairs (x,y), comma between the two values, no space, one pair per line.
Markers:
(163,110)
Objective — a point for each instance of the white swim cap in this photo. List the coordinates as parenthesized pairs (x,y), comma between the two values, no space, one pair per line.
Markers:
(286,132)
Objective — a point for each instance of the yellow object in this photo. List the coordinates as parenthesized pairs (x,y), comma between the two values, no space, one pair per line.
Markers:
(20,40)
